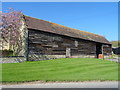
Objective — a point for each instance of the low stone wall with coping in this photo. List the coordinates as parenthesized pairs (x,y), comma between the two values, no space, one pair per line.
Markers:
(12,59)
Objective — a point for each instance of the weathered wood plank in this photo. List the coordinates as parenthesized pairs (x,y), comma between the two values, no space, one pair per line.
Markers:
(53,44)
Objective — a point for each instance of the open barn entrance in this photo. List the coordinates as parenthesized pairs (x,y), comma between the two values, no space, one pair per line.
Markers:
(98,49)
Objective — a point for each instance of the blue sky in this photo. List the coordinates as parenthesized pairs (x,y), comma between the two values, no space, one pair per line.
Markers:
(95,17)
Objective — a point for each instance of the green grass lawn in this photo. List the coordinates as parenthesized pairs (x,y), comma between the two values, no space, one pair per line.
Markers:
(69,69)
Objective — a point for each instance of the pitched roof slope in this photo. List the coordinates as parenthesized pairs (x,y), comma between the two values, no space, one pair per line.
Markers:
(46,26)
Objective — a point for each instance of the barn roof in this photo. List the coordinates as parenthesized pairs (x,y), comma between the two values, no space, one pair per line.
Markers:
(42,25)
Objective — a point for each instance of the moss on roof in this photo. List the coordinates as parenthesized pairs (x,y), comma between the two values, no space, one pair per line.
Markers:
(47,26)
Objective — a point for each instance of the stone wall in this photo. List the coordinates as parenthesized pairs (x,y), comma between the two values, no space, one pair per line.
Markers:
(12,59)
(21,47)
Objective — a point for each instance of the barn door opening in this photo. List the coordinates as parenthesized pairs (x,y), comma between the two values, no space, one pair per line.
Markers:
(98,50)
(68,52)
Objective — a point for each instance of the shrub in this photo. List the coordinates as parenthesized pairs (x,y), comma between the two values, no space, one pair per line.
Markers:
(7,52)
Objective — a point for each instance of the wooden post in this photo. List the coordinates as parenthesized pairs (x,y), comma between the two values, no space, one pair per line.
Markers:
(103,51)
(67,52)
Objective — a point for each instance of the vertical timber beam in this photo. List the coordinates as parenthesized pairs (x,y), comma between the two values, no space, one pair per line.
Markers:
(68,52)
(27,46)
(103,51)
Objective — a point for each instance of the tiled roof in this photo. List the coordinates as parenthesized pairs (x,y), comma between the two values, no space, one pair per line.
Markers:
(47,26)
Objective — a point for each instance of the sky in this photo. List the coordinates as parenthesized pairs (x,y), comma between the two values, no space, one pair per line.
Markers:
(95,17)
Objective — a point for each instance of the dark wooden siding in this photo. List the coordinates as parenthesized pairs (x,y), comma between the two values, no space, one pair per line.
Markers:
(52,44)
(84,48)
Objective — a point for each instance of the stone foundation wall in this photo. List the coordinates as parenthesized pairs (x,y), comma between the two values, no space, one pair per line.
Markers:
(84,56)
(48,57)
(45,57)
(35,57)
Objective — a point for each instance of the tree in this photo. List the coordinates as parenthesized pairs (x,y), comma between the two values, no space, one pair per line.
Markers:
(12,21)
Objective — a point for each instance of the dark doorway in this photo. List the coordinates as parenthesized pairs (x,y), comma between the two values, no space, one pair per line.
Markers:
(98,49)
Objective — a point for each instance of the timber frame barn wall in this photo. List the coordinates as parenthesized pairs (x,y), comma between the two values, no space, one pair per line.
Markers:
(44,44)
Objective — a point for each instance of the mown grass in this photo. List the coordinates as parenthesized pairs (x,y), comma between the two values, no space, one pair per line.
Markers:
(69,69)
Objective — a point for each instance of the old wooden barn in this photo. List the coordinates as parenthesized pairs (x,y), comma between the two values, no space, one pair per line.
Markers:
(48,40)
